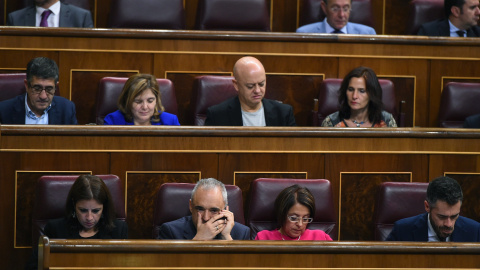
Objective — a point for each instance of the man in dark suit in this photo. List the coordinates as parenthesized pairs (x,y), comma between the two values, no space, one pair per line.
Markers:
(472,121)
(442,222)
(250,108)
(461,20)
(39,105)
(51,13)
(210,217)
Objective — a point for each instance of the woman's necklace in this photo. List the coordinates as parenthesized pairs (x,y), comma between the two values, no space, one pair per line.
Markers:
(284,238)
(358,123)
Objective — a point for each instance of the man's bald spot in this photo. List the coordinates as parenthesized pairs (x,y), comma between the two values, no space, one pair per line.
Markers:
(243,63)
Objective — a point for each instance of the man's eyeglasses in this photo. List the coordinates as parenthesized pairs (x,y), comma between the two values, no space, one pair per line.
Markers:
(297,219)
(37,89)
(213,211)
(344,9)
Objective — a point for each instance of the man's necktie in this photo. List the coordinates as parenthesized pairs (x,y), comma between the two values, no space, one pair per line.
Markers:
(461,33)
(45,15)
(337,32)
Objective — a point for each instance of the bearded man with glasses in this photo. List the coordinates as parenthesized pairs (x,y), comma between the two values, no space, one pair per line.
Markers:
(337,13)
(39,105)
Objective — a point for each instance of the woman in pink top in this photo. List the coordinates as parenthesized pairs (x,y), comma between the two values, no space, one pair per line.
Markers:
(294,209)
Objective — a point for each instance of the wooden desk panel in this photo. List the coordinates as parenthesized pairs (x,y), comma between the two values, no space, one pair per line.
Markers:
(134,254)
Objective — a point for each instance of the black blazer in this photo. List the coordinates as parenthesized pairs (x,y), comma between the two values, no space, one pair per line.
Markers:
(12,111)
(441,28)
(70,16)
(229,113)
(183,228)
(472,121)
(416,229)
(57,229)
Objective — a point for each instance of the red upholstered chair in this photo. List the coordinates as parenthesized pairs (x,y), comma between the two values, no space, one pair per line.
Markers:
(51,195)
(396,200)
(171,203)
(11,85)
(312,12)
(109,90)
(458,101)
(147,14)
(328,100)
(423,11)
(209,91)
(264,191)
(240,15)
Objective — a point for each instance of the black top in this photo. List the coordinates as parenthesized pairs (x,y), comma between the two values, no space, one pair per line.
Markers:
(58,228)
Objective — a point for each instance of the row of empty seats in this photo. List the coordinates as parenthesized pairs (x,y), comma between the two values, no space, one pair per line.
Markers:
(394,201)
(457,101)
(245,15)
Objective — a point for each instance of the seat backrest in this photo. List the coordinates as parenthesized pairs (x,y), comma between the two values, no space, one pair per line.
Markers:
(328,98)
(171,203)
(11,85)
(85,4)
(395,201)
(109,90)
(51,195)
(209,91)
(147,14)
(458,101)
(264,191)
(312,12)
(239,15)
(423,11)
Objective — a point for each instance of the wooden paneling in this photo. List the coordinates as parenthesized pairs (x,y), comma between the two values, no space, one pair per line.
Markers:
(142,186)
(354,160)
(357,202)
(105,254)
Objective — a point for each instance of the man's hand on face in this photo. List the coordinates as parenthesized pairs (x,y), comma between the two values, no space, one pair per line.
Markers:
(228,223)
(209,229)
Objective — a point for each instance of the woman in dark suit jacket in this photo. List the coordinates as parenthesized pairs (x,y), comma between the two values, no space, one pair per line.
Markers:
(89,214)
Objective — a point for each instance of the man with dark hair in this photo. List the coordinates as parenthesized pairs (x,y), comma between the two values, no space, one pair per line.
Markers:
(39,105)
(210,219)
(51,13)
(442,222)
(461,20)
(337,13)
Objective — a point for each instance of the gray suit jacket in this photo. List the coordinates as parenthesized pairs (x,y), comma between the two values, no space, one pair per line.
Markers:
(352,28)
(70,16)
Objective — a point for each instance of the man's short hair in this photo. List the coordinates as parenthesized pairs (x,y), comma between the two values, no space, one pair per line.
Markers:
(42,67)
(451,3)
(444,189)
(211,183)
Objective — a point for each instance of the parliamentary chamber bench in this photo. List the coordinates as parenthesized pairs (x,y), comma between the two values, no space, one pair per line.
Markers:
(355,161)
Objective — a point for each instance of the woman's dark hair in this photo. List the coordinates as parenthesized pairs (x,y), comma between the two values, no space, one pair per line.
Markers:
(134,86)
(374,91)
(88,187)
(289,197)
